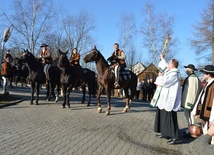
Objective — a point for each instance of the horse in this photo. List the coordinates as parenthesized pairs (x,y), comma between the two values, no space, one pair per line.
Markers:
(21,72)
(89,78)
(54,82)
(67,78)
(106,80)
(70,79)
(36,74)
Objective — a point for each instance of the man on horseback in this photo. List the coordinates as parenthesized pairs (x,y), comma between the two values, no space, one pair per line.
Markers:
(6,72)
(8,54)
(75,61)
(75,58)
(118,62)
(46,59)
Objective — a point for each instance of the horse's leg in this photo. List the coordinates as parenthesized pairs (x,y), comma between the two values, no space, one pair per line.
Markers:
(90,87)
(89,99)
(25,81)
(67,96)
(64,88)
(22,82)
(37,92)
(108,95)
(126,91)
(32,92)
(83,92)
(48,96)
(57,90)
(98,99)
(15,81)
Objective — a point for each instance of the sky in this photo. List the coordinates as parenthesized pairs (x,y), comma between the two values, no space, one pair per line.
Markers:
(108,12)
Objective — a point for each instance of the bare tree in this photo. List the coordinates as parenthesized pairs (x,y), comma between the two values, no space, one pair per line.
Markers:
(78,33)
(31,20)
(56,40)
(155,30)
(203,41)
(128,35)
(78,29)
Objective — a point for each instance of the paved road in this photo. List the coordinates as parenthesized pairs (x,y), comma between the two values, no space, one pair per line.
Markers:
(47,129)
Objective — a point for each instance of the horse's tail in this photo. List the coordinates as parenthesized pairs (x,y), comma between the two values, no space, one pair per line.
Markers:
(94,85)
(133,84)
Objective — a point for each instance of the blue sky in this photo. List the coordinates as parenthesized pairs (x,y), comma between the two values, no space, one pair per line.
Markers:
(107,14)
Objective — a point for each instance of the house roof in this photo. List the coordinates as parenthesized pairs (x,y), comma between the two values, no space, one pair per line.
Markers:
(138,68)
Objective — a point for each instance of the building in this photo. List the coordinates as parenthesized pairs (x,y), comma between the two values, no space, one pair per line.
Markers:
(142,72)
(149,72)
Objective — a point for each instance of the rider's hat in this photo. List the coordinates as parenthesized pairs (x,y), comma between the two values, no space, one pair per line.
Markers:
(44,45)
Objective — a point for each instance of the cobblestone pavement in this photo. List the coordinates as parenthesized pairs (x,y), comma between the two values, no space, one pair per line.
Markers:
(46,129)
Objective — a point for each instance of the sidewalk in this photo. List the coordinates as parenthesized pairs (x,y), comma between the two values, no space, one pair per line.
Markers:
(47,129)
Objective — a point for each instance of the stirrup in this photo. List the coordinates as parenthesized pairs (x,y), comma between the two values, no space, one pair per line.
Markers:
(116,85)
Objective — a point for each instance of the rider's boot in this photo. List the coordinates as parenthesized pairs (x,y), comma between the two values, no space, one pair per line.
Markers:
(116,84)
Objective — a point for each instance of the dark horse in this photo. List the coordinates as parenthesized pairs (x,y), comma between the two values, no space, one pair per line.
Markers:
(69,79)
(54,82)
(37,76)
(21,72)
(89,79)
(106,80)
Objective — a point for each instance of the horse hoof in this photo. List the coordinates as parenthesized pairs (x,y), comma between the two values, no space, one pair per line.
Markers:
(62,107)
(107,113)
(47,99)
(88,105)
(56,99)
(31,103)
(124,110)
(99,110)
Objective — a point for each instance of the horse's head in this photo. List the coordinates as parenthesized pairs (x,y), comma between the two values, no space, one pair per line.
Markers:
(93,55)
(26,56)
(63,60)
(17,62)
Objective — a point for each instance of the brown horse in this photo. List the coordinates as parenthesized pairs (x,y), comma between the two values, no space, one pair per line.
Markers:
(106,80)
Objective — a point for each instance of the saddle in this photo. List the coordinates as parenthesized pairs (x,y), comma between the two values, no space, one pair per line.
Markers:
(124,74)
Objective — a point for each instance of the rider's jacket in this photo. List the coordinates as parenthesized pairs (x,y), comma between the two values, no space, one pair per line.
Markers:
(46,57)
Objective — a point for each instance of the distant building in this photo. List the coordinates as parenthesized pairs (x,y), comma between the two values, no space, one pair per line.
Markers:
(149,72)
(137,68)
(144,72)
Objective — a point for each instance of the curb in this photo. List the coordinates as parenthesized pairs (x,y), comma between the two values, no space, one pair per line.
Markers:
(11,103)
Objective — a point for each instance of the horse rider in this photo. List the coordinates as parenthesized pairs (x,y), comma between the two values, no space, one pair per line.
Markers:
(46,59)
(8,54)
(6,72)
(118,61)
(75,61)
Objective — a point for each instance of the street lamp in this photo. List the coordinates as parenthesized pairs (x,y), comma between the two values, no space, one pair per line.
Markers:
(6,36)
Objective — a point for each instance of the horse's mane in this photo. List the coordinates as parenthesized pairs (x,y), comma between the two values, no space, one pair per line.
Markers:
(103,59)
